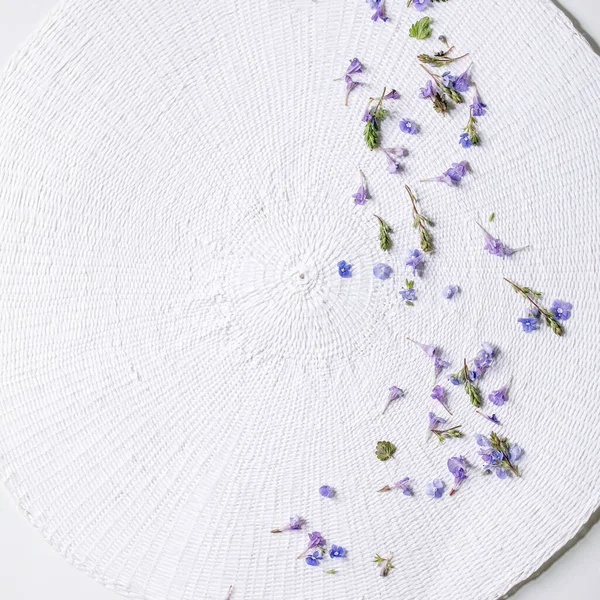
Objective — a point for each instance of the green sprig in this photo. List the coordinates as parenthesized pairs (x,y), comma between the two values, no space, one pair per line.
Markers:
(385,241)
(533,298)
(471,129)
(471,389)
(440,59)
(421,29)
(443,434)
(385,563)
(502,445)
(420,222)
(372,131)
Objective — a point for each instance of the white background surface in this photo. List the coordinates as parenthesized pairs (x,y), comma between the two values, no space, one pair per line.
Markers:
(31,570)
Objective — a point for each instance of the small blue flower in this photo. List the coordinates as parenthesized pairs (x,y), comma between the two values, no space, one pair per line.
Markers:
(465,140)
(450,291)
(314,558)
(435,489)
(478,107)
(561,310)
(415,260)
(454,380)
(327,491)
(407,126)
(382,271)
(344,269)
(529,323)
(408,295)
(336,551)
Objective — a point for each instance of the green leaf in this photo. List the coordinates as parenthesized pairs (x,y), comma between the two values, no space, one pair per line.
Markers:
(421,29)
(384,450)
(492,217)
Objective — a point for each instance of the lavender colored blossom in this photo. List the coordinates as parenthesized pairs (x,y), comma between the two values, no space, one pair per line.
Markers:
(450,291)
(495,246)
(493,418)
(294,524)
(483,360)
(407,126)
(350,85)
(402,485)
(421,5)
(435,421)
(453,175)
(362,195)
(415,260)
(447,79)
(439,364)
(477,107)
(529,324)
(454,380)
(465,140)
(394,393)
(428,91)
(314,558)
(382,271)
(393,155)
(315,540)
(435,489)
(498,397)
(439,393)
(379,8)
(393,95)
(462,82)
(499,455)
(408,294)
(354,67)
(561,310)
(327,491)
(344,269)
(457,465)
(336,551)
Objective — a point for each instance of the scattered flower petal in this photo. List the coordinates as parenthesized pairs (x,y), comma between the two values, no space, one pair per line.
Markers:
(382,271)
(327,491)
(408,126)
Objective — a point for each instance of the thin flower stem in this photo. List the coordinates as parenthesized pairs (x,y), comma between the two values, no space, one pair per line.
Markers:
(523,293)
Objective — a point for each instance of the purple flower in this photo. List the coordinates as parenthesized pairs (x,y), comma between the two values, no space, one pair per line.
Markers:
(409,295)
(336,551)
(435,489)
(428,91)
(378,7)
(457,465)
(294,524)
(483,360)
(382,271)
(447,79)
(453,175)
(344,269)
(407,126)
(327,491)
(498,455)
(394,394)
(439,365)
(414,260)
(439,393)
(495,246)
(561,310)
(393,95)
(354,67)
(529,324)
(462,82)
(465,140)
(402,485)
(367,115)
(449,291)
(454,380)
(421,5)
(314,558)
(350,85)
(315,540)
(478,107)
(362,194)
(498,397)
(493,418)
(393,155)
(435,421)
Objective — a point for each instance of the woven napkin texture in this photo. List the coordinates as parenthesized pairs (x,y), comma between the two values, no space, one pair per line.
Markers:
(182,366)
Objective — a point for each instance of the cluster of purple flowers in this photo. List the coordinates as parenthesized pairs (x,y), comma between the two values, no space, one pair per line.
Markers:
(316,540)
(379,8)
(354,68)
(559,309)
(498,455)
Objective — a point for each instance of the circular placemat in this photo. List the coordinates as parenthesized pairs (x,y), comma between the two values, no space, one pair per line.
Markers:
(182,365)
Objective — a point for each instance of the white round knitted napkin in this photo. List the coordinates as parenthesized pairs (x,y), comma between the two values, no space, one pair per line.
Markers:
(183,367)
